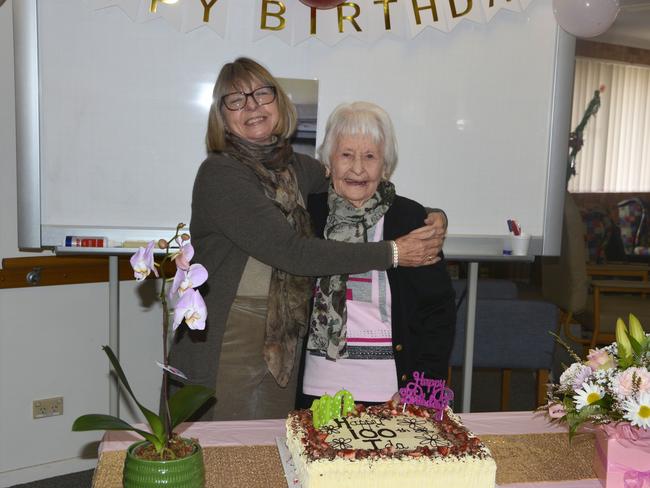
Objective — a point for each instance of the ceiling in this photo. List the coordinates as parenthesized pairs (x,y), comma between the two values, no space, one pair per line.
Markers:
(631,27)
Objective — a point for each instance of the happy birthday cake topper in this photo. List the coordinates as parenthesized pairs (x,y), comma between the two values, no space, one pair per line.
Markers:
(428,393)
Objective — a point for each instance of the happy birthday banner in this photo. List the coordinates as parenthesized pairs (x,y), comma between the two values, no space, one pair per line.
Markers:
(294,22)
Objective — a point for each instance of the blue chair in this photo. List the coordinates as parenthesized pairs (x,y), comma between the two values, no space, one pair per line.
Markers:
(510,333)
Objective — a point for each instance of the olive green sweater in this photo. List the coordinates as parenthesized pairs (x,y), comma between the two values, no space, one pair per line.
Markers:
(232,219)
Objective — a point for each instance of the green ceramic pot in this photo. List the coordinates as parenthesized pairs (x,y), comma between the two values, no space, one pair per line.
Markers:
(188,472)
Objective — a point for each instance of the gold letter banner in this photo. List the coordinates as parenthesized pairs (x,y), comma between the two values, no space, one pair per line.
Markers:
(293,22)
(184,16)
(271,18)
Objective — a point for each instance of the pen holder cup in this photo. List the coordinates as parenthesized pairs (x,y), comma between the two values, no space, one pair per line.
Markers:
(507,246)
(519,244)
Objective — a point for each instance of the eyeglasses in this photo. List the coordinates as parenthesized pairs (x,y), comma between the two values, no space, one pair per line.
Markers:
(238,100)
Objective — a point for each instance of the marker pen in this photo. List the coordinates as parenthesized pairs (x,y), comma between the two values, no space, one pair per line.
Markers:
(90,241)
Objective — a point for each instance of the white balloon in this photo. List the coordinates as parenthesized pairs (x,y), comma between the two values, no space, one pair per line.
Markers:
(585,18)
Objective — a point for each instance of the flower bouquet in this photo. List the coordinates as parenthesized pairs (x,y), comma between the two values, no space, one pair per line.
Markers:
(161,443)
(609,393)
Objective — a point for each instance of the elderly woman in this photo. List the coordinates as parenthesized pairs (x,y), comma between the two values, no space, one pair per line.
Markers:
(251,231)
(370,331)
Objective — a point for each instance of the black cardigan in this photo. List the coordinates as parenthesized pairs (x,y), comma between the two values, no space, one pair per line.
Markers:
(422,299)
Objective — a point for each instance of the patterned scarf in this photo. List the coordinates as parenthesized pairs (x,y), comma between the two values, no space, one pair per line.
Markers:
(328,324)
(288,305)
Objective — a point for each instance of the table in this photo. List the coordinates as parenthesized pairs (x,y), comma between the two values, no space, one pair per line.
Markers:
(264,432)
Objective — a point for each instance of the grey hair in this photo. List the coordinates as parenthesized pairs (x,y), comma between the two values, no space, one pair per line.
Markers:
(360,118)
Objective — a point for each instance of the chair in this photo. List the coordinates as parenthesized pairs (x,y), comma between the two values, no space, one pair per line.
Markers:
(599,229)
(632,220)
(594,304)
(510,334)
(631,216)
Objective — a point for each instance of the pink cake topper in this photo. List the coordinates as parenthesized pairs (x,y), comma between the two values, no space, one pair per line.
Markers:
(428,393)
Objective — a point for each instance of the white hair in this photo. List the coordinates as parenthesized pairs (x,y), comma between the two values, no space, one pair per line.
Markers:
(360,118)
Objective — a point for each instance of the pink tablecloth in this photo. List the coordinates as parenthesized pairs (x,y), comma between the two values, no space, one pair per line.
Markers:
(264,432)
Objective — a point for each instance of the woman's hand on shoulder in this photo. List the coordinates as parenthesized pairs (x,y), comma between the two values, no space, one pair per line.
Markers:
(422,246)
(437,218)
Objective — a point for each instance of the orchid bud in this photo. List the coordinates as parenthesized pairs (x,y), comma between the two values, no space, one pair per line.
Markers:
(636,330)
(622,340)
(185,236)
(162,244)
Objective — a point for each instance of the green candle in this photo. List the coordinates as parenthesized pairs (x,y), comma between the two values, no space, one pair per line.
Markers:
(327,408)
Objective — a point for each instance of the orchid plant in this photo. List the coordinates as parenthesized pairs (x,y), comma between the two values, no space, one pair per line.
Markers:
(611,385)
(190,309)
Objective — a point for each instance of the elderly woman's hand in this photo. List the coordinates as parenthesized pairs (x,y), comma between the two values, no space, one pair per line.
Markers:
(437,218)
(421,246)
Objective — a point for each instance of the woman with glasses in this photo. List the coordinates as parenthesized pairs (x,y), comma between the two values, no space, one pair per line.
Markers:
(252,232)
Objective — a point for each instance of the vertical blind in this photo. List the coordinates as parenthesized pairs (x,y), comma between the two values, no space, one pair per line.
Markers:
(615,156)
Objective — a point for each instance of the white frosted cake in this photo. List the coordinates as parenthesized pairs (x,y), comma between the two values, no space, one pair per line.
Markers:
(381,446)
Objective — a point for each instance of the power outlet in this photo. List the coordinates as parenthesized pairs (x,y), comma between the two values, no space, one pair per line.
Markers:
(47,407)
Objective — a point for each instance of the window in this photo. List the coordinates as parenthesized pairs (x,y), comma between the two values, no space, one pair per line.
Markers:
(615,156)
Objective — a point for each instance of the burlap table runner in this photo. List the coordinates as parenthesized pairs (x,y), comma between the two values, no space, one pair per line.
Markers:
(541,457)
(231,467)
(520,458)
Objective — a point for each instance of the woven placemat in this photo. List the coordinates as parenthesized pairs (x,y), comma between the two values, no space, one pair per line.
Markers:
(231,467)
(541,457)
(519,458)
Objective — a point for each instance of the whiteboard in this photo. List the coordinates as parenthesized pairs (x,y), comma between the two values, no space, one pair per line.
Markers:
(117,111)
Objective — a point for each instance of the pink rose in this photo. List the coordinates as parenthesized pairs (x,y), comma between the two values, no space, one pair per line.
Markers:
(556,410)
(624,382)
(599,359)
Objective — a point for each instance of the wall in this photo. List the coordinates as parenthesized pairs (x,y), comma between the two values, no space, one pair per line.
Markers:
(101,73)
(625,54)
(50,338)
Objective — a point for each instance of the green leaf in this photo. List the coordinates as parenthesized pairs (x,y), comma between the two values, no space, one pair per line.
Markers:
(186,401)
(118,370)
(97,421)
(625,362)
(155,422)
(636,346)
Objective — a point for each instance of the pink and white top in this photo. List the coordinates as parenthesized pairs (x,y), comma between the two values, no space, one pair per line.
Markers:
(369,370)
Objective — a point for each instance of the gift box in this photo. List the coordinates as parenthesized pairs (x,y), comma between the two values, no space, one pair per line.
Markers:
(622,456)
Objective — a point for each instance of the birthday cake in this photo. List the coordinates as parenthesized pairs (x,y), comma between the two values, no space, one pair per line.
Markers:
(386,446)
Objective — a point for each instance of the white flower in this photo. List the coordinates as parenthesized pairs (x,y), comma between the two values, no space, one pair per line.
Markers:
(590,393)
(638,412)
(142,262)
(575,375)
(192,309)
(185,280)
